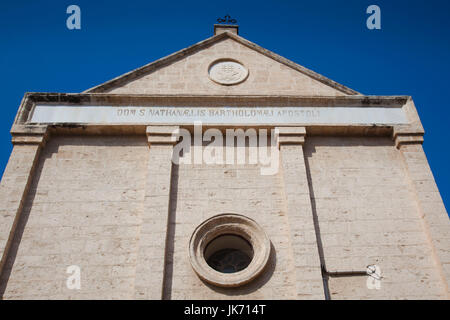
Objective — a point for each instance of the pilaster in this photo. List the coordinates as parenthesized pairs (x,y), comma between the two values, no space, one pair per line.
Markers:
(430,205)
(155,217)
(27,143)
(309,282)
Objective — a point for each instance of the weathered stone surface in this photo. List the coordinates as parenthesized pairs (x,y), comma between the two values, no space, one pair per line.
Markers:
(84,208)
(368,215)
(189,75)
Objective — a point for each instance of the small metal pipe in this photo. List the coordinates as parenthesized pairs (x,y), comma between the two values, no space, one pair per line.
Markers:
(337,274)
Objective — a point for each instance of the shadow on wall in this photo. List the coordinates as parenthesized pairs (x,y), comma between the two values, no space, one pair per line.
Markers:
(21,224)
(170,240)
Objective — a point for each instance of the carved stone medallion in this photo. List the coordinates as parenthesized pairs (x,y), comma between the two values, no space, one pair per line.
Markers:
(227,72)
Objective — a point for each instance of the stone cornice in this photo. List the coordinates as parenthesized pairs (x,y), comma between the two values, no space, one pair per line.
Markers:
(121,99)
(401,139)
(290,135)
(413,127)
(413,132)
(165,135)
(31,98)
(23,134)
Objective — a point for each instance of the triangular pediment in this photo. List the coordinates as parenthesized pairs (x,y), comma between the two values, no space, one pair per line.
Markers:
(186,72)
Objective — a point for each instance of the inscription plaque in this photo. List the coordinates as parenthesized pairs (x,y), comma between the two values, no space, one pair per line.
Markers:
(217,115)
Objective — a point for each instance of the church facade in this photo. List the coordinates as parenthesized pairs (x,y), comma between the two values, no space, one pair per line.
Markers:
(222,171)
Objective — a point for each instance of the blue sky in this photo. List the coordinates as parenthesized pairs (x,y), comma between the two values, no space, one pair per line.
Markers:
(408,56)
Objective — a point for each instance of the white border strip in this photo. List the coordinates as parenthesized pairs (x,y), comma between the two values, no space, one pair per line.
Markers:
(217,115)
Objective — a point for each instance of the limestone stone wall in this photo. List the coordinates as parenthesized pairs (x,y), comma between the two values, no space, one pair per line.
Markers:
(84,208)
(124,214)
(204,191)
(368,215)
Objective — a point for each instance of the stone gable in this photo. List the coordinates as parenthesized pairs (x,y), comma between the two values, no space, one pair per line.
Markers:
(189,75)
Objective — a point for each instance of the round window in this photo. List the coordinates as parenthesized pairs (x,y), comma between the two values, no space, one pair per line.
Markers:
(228,253)
(229,250)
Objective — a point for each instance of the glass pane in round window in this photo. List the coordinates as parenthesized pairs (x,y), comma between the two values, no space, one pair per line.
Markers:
(228,253)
